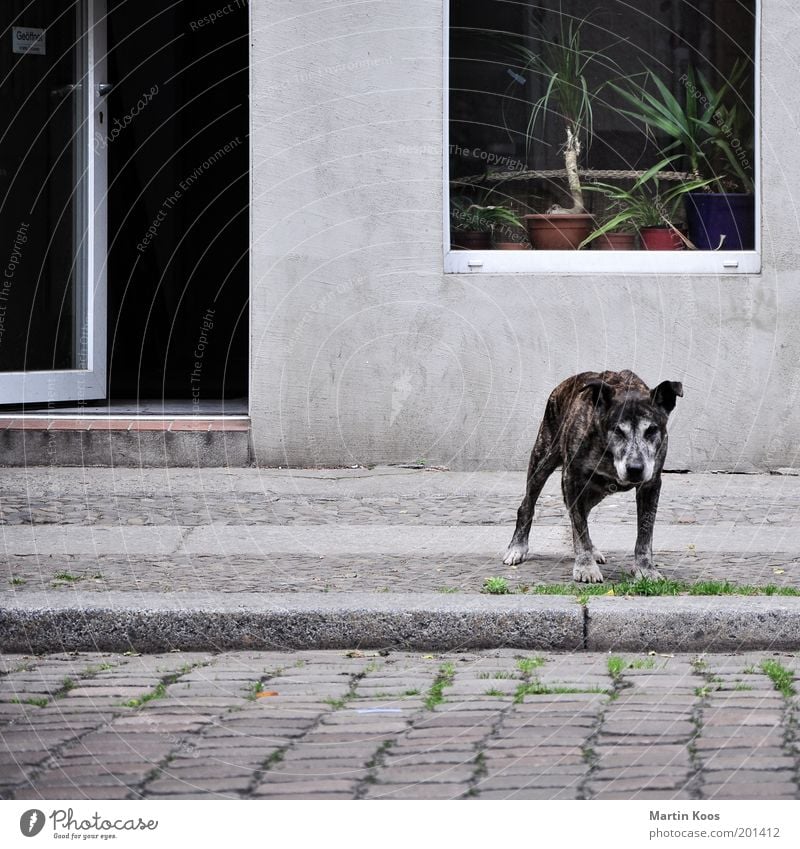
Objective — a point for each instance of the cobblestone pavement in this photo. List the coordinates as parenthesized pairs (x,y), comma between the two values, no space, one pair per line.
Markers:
(361,725)
(288,531)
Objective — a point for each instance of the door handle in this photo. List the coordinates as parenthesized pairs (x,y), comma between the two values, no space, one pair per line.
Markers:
(104,88)
(64,90)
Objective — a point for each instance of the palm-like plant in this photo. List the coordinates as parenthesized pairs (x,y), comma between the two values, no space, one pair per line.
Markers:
(644,205)
(569,94)
(466,215)
(704,129)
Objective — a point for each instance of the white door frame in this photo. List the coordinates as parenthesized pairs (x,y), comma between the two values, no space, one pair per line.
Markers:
(90,382)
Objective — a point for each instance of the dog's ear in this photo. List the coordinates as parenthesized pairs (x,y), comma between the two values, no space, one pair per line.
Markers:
(665,394)
(600,393)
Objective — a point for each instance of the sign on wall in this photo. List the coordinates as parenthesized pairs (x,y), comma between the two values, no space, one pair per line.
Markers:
(28,40)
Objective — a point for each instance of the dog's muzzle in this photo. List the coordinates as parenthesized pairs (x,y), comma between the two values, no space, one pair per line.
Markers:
(634,473)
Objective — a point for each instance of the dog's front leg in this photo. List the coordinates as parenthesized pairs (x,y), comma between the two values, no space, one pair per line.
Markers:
(646,509)
(579,504)
(544,461)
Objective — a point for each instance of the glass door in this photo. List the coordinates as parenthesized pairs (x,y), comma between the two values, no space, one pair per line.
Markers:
(52,201)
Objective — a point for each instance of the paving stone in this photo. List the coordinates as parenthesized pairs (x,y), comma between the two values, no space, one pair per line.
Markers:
(417,791)
(671,795)
(302,789)
(69,791)
(429,773)
(222,784)
(651,727)
(566,777)
(601,784)
(335,751)
(325,768)
(531,794)
(736,790)
(753,717)
(204,769)
(537,738)
(745,776)
(530,761)
(747,759)
(638,756)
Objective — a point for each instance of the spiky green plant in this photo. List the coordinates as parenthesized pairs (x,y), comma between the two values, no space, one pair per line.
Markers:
(564,65)
(466,215)
(702,129)
(644,204)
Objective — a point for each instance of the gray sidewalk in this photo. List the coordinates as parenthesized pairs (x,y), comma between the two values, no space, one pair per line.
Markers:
(369,540)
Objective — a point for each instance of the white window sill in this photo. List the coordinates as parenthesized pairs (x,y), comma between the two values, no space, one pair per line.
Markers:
(602,262)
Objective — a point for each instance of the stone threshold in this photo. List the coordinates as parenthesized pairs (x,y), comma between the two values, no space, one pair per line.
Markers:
(127,423)
(125,441)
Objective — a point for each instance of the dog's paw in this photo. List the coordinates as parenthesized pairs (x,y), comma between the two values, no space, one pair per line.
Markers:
(515,554)
(646,570)
(586,571)
(598,555)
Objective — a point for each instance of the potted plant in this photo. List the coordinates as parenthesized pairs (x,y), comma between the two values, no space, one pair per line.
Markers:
(563,64)
(621,238)
(508,230)
(468,231)
(477,226)
(646,208)
(715,136)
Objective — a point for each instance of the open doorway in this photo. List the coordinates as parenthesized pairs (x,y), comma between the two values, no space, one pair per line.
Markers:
(178,217)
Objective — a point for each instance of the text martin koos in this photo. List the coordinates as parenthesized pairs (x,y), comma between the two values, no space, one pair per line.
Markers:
(682,815)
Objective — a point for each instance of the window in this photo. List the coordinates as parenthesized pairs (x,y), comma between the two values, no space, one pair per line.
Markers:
(587,136)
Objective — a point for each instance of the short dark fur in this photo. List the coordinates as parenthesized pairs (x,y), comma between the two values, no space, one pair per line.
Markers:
(587,419)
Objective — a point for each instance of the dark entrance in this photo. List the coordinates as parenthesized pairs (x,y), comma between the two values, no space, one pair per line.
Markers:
(178,156)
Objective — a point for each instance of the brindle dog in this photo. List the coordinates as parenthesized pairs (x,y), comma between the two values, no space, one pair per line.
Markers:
(609,432)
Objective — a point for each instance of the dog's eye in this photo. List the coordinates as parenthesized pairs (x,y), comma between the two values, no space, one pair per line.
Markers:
(651,432)
(618,431)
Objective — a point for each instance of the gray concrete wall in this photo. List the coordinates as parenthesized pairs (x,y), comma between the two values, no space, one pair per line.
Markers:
(364,351)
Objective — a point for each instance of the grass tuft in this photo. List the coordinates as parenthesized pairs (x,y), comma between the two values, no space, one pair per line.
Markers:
(662,587)
(37,701)
(496,586)
(615,667)
(780,676)
(444,679)
(65,576)
(526,665)
(536,688)
(158,692)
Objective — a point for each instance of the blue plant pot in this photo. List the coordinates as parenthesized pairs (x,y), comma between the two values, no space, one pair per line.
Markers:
(712,216)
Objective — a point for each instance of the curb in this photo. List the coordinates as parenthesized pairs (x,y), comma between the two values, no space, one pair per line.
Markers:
(694,623)
(149,622)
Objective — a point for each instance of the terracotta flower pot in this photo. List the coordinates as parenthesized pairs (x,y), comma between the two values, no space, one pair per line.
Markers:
(660,239)
(558,232)
(615,242)
(512,246)
(471,240)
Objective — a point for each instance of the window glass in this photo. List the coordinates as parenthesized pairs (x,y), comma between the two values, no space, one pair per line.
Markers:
(602,126)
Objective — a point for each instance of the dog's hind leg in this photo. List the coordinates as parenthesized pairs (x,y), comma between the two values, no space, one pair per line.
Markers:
(545,459)
(580,500)
(646,508)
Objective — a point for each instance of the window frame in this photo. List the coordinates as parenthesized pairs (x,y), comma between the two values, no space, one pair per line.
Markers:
(603,262)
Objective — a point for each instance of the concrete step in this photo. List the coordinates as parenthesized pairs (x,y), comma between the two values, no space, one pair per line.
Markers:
(125,442)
